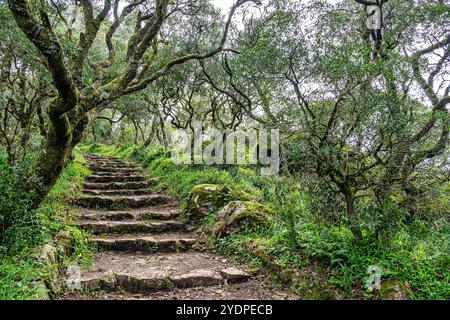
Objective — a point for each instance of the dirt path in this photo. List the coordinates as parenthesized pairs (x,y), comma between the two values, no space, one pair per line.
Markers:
(144,251)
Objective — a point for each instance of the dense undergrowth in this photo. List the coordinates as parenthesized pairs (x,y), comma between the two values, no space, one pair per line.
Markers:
(23,231)
(331,262)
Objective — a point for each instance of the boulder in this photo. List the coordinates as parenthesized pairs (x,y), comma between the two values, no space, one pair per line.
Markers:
(41,292)
(65,240)
(203,198)
(232,274)
(49,254)
(237,214)
(394,289)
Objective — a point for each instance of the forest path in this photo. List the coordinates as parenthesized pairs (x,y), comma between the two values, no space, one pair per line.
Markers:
(145,252)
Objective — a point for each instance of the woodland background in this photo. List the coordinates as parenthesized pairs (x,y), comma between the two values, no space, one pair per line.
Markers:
(363,116)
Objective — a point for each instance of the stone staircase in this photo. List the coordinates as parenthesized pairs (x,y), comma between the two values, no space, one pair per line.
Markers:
(143,248)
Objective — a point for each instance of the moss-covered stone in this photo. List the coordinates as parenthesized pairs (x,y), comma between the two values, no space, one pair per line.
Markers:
(242,195)
(41,290)
(394,289)
(65,241)
(49,254)
(202,198)
(237,214)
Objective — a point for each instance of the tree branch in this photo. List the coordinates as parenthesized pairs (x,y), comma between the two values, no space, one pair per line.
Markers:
(164,70)
(46,42)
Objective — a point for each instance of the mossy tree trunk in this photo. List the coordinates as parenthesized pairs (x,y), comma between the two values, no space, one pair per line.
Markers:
(78,100)
(61,139)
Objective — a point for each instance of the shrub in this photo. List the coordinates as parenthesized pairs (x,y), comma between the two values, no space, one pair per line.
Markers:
(310,232)
(25,230)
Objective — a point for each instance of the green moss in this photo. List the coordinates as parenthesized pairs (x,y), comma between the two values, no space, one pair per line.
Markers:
(168,283)
(206,195)
(394,289)
(241,214)
(202,198)
(301,235)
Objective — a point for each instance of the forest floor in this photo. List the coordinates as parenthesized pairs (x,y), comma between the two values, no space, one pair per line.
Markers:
(146,252)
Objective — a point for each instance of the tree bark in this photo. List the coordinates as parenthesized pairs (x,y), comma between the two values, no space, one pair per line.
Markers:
(349,201)
(68,112)
(50,162)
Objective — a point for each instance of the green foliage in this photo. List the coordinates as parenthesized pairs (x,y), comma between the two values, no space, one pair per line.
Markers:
(17,276)
(363,118)
(416,253)
(14,203)
(25,230)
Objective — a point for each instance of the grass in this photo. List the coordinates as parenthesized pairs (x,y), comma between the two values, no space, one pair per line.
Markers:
(26,230)
(416,253)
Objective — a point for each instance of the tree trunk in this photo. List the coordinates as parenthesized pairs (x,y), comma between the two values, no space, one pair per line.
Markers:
(50,163)
(152,134)
(11,154)
(94,136)
(165,139)
(349,201)
(61,139)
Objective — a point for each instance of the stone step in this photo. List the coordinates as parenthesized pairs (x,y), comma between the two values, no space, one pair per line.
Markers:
(116,202)
(114,168)
(137,273)
(122,164)
(129,192)
(148,213)
(118,185)
(255,288)
(169,242)
(93,155)
(118,174)
(123,227)
(102,159)
(101,169)
(111,162)
(114,178)
(107,162)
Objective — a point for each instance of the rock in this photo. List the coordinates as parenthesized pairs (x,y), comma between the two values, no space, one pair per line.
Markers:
(73,277)
(286,275)
(65,240)
(124,227)
(115,178)
(91,284)
(106,282)
(394,289)
(202,198)
(237,214)
(242,195)
(120,202)
(253,270)
(49,254)
(197,278)
(146,244)
(233,274)
(41,290)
